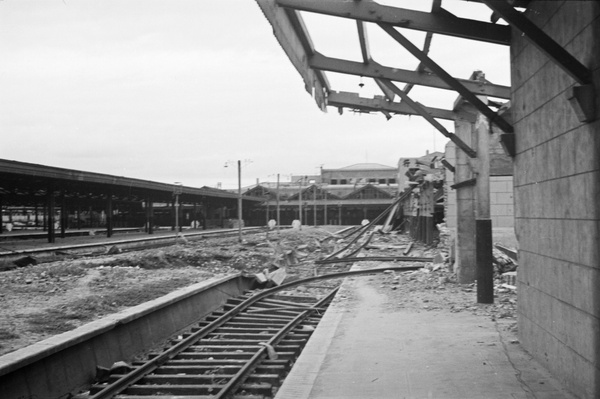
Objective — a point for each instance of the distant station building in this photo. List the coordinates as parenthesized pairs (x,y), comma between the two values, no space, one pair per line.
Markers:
(343,196)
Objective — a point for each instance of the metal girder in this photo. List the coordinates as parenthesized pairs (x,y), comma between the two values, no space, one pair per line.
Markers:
(542,41)
(364,41)
(421,110)
(421,67)
(354,101)
(376,70)
(441,73)
(290,32)
(441,22)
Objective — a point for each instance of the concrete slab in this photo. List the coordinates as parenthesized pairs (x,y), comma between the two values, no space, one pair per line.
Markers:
(365,348)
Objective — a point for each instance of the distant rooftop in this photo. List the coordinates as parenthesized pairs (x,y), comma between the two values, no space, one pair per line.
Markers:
(365,166)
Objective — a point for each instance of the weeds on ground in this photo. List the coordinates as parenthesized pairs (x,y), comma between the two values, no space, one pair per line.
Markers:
(76,312)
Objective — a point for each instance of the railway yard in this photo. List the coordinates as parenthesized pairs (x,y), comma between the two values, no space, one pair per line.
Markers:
(63,291)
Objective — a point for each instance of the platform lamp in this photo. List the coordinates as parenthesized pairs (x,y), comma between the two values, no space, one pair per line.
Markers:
(177,190)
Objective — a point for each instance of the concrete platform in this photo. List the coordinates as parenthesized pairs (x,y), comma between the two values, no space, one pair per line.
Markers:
(364,348)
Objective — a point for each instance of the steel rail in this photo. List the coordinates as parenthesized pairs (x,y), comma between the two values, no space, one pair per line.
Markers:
(137,374)
(375,258)
(239,378)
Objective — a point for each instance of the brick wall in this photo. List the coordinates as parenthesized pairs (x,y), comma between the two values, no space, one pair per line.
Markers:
(557,196)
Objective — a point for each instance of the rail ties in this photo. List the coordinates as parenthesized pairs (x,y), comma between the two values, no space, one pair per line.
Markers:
(244,350)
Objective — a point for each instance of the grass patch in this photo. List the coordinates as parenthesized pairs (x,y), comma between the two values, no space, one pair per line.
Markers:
(6,335)
(69,316)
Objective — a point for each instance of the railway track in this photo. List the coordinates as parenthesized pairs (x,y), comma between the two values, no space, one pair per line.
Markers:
(242,351)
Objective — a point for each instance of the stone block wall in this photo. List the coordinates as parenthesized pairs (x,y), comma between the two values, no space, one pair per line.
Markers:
(557,197)
(501,196)
(501,201)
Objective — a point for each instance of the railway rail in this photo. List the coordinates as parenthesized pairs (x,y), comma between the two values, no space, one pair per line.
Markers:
(244,350)
(125,244)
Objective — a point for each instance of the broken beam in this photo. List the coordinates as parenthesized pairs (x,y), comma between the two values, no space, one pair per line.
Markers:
(354,101)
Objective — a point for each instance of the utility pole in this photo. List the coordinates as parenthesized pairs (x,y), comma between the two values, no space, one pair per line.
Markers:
(315,205)
(300,203)
(239,163)
(278,221)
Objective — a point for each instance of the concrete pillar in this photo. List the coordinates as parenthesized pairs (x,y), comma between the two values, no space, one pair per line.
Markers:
(483,222)
(465,265)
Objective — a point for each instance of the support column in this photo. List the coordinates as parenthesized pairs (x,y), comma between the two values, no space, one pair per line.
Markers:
(484,257)
(465,210)
(78,215)
(50,206)
(325,222)
(173,215)
(315,206)
(1,220)
(63,215)
(150,215)
(35,207)
(109,215)
(340,214)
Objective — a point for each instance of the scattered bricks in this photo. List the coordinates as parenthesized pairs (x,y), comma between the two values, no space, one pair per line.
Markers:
(278,276)
(261,278)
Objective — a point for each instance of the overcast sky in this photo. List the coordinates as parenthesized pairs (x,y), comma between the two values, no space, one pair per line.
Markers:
(171,90)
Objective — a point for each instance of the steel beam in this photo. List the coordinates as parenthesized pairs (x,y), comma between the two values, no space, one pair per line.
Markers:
(364,41)
(542,41)
(376,70)
(440,22)
(429,118)
(454,83)
(421,67)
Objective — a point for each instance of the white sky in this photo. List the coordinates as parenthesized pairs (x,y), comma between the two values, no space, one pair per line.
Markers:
(170,90)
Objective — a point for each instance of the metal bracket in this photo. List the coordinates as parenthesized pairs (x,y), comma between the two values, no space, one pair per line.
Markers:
(583,101)
(508,142)
(466,183)
(448,165)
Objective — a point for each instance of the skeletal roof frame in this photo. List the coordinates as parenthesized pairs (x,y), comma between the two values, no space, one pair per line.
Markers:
(293,35)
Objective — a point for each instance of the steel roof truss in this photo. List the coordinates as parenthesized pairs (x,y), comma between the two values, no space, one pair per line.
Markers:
(441,22)
(452,82)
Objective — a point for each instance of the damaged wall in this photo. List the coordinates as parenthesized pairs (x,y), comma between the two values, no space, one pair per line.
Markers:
(557,191)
